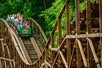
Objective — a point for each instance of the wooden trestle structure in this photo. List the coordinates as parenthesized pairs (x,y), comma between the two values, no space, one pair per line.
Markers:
(73,45)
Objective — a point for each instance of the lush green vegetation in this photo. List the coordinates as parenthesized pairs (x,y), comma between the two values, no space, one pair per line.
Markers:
(52,13)
(44,12)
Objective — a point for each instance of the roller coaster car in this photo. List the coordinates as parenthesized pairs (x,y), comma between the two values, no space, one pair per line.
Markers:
(21,30)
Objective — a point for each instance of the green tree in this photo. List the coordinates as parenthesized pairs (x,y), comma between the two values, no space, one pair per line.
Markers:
(52,13)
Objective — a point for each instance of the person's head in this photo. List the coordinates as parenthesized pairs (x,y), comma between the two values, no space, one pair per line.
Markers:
(18,14)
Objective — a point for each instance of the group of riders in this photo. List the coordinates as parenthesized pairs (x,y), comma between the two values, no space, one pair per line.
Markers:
(19,19)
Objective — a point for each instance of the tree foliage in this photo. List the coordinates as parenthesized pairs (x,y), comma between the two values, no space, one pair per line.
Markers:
(52,13)
(29,8)
(43,11)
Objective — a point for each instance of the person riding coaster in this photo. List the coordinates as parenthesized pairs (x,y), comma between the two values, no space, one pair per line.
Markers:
(23,26)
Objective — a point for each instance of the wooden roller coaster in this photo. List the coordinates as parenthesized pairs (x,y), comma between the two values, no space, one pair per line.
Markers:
(74,45)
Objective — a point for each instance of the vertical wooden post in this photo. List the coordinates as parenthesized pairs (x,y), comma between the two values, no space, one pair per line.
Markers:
(88,29)
(3,52)
(59,31)
(77,20)
(9,55)
(52,45)
(100,21)
(88,16)
(0,64)
(77,16)
(68,32)
(14,63)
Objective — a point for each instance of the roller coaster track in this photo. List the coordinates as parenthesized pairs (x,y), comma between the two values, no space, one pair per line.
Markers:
(78,46)
(29,50)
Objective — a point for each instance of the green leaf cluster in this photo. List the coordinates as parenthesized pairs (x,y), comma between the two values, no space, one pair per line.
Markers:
(52,13)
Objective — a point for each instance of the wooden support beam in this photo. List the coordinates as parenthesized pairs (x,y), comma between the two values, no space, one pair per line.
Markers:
(52,46)
(8,51)
(88,16)
(0,64)
(82,53)
(100,22)
(59,30)
(77,21)
(72,55)
(67,18)
(3,53)
(84,35)
(55,60)
(93,52)
(68,32)
(41,65)
(53,49)
(6,59)
(77,16)
(88,28)
(63,58)
(48,64)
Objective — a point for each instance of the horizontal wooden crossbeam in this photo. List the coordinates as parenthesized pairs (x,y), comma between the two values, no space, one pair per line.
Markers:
(84,35)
